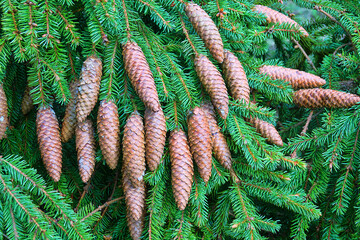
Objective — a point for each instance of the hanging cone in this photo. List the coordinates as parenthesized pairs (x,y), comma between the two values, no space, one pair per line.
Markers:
(317,98)
(206,29)
(4,119)
(108,130)
(297,79)
(182,169)
(273,16)
(267,131)
(155,136)
(135,226)
(200,142)
(88,88)
(134,196)
(138,70)
(27,103)
(236,77)
(214,84)
(134,149)
(85,148)
(219,145)
(69,122)
(49,141)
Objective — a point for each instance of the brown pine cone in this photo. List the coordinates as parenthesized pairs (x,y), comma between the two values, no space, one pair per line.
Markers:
(267,130)
(69,122)
(88,88)
(85,148)
(214,84)
(297,79)
(236,77)
(135,227)
(277,17)
(182,169)
(317,98)
(108,130)
(49,141)
(134,149)
(138,70)
(200,142)
(219,145)
(134,196)
(206,29)
(27,102)
(155,136)
(4,118)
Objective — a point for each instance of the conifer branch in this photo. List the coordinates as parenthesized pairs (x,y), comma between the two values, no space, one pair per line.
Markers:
(167,23)
(16,234)
(102,207)
(304,53)
(126,20)
(187,35)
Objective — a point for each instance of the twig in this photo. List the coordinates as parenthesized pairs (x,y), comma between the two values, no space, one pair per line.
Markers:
(101,207)
(187,35)
(304,53)
(303,132)
(127,20)
(86,189)
(319,9)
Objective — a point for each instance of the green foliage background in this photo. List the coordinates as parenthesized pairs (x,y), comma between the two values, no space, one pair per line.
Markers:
(312,196)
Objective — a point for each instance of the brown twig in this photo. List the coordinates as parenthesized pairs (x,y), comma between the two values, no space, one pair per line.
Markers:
(187,35)
(304,53)
(303,132)
(101,207)
(126,20)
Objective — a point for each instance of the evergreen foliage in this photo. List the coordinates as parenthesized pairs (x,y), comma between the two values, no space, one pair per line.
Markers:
(307,189)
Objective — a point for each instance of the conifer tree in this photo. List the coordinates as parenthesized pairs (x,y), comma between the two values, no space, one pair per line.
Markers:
(272,69)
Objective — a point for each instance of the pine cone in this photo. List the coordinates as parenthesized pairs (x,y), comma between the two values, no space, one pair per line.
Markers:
(49,141)
(297,79)
(236,77)
(317,98)
(88,89)
(277,17)
(134,196)
(200,142)
(85,148)
(155,136)
(206,29)
(135,226)
(182,169)
(138,70)
(267,131)
(27,103)
(4,119)
(214,84)
(108,130)
(219,145)
(134,148)
(69,122)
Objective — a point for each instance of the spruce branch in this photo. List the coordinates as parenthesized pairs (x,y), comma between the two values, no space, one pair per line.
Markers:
(304,53)
(185,31)
(99,208)
(126,20)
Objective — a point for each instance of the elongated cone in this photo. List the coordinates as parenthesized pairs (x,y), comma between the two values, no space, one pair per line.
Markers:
(220,147)
(138,70)
(214,84)
(27,103)
(85,147)
(135,226)
(88,89)
(134,149)
(182,169)
(206,29)
(297,79)
(48,133)
(155,136)
(277,17)
(317,98)
(108,130)
(267,130)
(236,77)
(200,142)
(134,196)
(4,119)
(69,122)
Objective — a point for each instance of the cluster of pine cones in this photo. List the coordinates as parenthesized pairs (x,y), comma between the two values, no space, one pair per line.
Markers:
(144,139)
